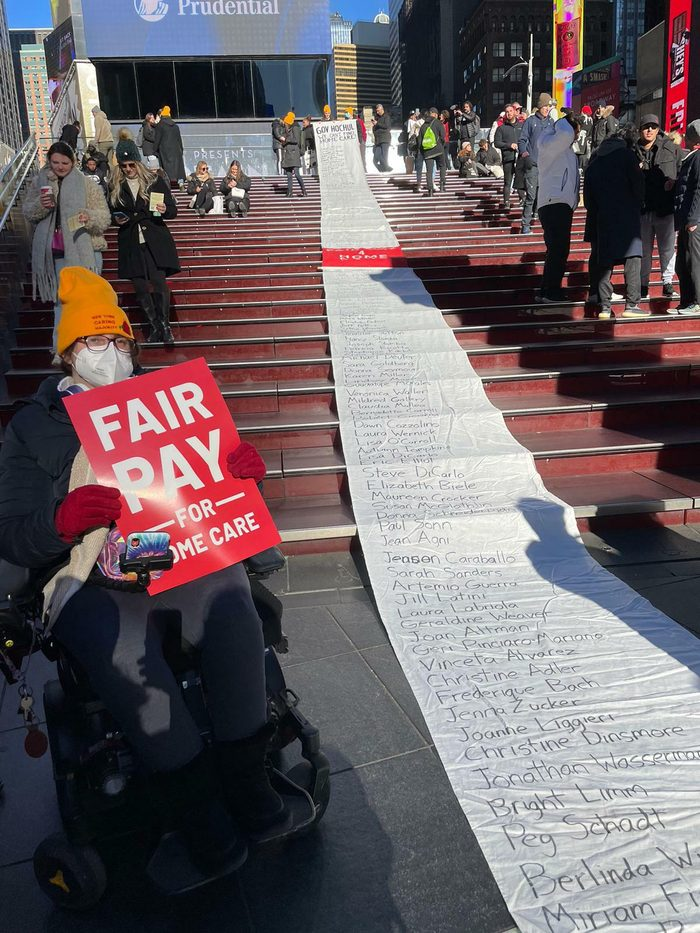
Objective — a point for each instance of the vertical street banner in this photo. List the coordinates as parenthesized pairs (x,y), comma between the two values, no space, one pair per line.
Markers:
(678,33)
(163,439)
(564,707)
(567,48)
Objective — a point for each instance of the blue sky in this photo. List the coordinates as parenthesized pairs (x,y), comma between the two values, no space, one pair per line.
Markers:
(27,13)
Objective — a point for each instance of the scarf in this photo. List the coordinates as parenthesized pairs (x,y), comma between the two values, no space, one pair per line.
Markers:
(78,247)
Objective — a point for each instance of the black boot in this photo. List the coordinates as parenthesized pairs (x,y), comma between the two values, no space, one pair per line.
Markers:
(255,804)
(163,312)
(155,334)
(190,801)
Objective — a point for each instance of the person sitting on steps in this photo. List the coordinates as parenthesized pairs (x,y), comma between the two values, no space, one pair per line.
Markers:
(147,253)
(235,188)
(202,189)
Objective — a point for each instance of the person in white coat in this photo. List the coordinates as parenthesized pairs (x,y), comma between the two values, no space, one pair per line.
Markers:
(558,197)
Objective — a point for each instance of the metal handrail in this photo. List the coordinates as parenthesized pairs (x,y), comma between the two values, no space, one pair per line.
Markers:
(13,176)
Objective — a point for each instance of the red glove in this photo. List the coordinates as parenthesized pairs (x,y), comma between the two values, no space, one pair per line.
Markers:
(87,507)
(246,463)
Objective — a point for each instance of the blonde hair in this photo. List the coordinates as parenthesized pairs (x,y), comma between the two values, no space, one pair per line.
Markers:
(676,137)
(117,178)
(202,162)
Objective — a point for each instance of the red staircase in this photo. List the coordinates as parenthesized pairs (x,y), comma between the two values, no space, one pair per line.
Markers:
(607,408)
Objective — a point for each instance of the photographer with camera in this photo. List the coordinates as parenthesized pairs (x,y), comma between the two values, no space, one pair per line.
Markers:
(467,124)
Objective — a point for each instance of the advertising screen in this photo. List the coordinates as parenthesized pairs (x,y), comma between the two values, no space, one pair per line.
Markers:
(677,70)
(173,28)
(568,47)
(598,84)
(59,49)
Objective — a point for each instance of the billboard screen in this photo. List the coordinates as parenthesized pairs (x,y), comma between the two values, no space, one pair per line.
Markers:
(193,28)
(567,47)
(598,84)
(677,64)
(59,49)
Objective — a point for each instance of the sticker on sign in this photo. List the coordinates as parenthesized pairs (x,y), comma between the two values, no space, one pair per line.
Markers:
(162,439)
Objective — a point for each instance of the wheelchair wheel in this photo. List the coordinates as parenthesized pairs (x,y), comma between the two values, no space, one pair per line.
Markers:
(304,775)
(72,876)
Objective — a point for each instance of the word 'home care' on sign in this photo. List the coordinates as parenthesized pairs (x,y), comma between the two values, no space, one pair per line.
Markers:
(162,439)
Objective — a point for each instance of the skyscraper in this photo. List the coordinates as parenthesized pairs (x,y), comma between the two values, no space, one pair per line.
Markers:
(10,124)
(629,26)
(19,38)
(36,92)
(340,29)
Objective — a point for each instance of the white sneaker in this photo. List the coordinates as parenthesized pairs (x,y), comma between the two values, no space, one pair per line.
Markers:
(616,297)
(605,315)
(690,309)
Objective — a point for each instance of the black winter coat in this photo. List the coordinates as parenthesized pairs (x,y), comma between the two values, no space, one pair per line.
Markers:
(613,190)
(308,138)
(154,229)
(243,182)
(37,454)
(382,130)
(278,131)
(168,148)
(468,125)
(660,164)
(193,182)
(506,134)
(603,127)
(688,192)
(440,135)
(148,139)
(69,134)
(291,147)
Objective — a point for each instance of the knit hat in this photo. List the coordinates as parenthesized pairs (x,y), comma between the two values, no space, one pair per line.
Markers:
(692,134)
(126,150)
(89,306)
(289,119)
(326,108)
(587,110)
(543,101)
(165,111)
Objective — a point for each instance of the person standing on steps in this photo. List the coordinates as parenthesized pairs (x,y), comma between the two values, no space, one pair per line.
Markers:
(277,130)
(291,153)
(60,198)
(558,198)
(527,147)
(613,193)
(235,188)
(70,134)
(146,141)
(169,148)
(433,142)
(147,253)
(104,137)
(688,224)
(660,159)
(381,125)
(506,140)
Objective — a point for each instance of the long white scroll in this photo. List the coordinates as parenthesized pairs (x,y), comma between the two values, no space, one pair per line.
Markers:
(565,708)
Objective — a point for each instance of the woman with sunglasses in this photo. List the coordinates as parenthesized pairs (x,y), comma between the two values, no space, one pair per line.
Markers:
(55,518)
(202,189)
(147,252)
(71,215)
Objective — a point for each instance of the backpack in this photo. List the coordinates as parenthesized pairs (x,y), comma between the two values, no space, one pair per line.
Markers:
(429,138)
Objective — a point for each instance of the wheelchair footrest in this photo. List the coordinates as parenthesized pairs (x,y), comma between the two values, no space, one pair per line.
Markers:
(172,871)
(299,804)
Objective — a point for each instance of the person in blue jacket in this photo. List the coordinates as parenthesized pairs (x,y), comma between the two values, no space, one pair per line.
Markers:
(528,149)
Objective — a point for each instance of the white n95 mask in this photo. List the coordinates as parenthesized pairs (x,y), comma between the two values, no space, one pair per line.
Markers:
(104,367)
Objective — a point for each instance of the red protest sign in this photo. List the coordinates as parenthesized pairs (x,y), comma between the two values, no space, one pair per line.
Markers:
(162,439)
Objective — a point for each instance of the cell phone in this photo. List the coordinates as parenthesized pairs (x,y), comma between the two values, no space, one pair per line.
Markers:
(120,215)
(147,544)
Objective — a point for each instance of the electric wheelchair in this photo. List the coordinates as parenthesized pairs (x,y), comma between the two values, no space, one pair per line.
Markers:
(102,790)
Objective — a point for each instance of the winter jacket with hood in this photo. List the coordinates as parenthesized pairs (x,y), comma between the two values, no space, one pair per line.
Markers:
(291,147)
(558,166)
(613,191)
(506,135)
(103,128)
(533,128)
(660,163)
(603,126)
(688,192)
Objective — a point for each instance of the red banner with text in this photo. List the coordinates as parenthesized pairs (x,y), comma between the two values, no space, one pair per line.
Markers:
(162,439)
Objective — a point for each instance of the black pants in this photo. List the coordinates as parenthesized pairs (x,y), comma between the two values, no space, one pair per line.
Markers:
(688,266)
(441,162)
(154,277)
(294,171)
(381,157)
(117,638)
(237,207)
(601,279)
(420,162)
(556,222)
(508,176)
(204,200)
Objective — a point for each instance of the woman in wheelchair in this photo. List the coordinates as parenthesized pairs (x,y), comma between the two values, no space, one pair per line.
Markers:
(53,515)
